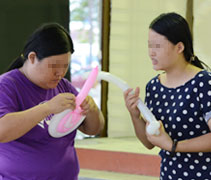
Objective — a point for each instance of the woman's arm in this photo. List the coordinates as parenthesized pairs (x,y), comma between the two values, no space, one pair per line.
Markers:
(131,101)
(16,124)
(197,144)
(140,130)
(94,121)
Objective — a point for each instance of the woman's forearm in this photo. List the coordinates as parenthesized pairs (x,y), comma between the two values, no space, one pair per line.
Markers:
(140,126)
(15,125)
(198,144)
(93,123)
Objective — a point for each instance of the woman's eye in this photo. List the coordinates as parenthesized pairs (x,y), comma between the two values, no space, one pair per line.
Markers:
(54,66)
(154,45)
(158,45)
(65,65)
(58,65)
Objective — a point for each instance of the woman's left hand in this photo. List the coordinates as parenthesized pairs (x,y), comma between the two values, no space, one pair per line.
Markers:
(94,121)
(162,140)
(88,105)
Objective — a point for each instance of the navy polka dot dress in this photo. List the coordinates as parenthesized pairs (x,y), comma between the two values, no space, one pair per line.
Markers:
(184,112)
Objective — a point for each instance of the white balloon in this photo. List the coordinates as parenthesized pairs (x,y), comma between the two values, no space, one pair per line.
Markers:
(154,125)
(54,123)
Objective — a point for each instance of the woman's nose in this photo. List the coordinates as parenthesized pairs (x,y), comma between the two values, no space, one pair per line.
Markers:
(152,52)
(60,72)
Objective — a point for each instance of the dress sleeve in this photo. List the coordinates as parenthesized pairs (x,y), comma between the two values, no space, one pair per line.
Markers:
(205,96)
(8,100)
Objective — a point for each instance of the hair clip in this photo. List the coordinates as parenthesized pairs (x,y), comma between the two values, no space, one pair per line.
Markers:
(192,58)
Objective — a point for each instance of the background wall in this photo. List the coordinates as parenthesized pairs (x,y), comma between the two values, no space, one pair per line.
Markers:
(129,53)
(19,18)
(202,30)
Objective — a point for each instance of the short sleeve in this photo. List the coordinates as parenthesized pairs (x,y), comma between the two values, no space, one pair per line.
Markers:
(204,88)
(8,100)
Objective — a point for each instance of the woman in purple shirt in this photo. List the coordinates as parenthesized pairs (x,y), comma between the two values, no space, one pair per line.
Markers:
(32,91)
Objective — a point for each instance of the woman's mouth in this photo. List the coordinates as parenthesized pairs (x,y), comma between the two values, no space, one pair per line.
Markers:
(154,61)
(56,80)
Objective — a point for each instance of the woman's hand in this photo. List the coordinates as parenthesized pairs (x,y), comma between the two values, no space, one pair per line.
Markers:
(131,101)
(88,105)
(61,102)
(162,140)
(94,121)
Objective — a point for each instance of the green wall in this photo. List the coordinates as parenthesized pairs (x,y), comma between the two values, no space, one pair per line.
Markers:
(19,18)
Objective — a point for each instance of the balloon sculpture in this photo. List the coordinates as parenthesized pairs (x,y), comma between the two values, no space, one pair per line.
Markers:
(65,122)
(154,125)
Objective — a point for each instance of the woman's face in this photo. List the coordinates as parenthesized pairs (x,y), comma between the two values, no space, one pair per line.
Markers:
(50,70)
(161,51)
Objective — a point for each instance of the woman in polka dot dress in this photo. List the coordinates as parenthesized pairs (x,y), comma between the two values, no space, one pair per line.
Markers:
(180,98)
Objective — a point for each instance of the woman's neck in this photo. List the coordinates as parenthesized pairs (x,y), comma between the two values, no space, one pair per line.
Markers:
(179,75)
(24,71)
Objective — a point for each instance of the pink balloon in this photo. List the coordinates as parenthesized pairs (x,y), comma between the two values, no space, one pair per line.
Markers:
(71,119)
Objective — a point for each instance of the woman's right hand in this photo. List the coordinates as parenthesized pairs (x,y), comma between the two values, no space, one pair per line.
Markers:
(61,102)
(131,101)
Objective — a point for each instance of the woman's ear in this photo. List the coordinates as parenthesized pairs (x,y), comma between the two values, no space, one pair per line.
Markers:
(180,47)
(32,57)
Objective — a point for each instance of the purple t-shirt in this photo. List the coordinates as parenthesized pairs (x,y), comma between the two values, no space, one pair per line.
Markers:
(36,155)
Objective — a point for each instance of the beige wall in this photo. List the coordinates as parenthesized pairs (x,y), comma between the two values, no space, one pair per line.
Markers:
(129,55)
(202,30)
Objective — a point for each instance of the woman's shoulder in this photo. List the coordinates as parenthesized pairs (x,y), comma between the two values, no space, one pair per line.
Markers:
(9,84)
(200,84)
(9,78)
(203,76)
(205,73)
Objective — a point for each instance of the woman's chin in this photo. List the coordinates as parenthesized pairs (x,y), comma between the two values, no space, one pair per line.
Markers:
(156,68)
(51,85)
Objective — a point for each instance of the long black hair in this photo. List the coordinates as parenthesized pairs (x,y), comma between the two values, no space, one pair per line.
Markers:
(175,28)
(48,40)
